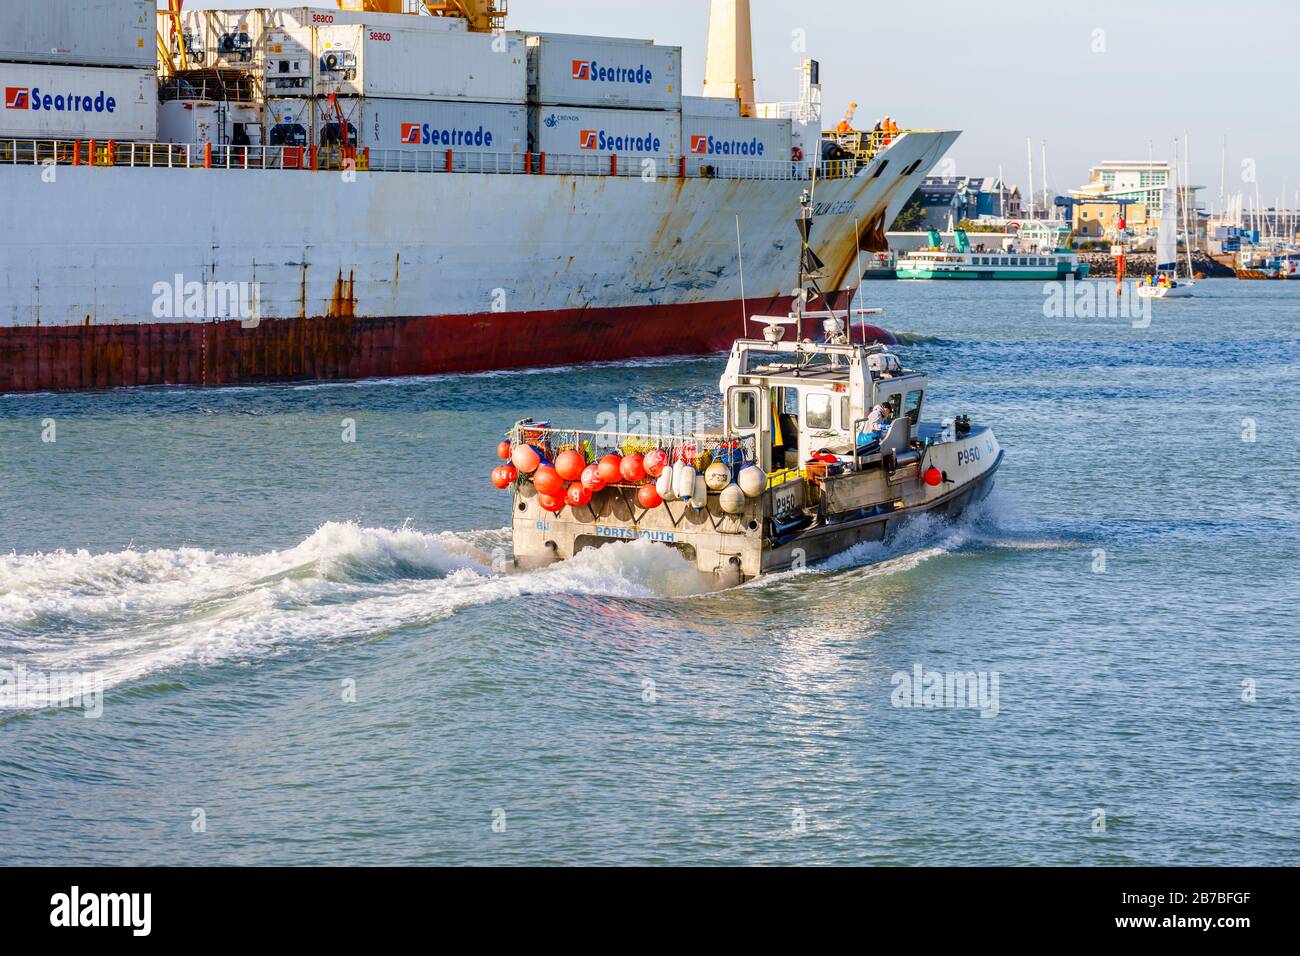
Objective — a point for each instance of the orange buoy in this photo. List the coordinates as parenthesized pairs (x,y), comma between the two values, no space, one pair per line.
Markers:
(526,458)
(656,459)
(632,468)
(577,495)
(503,476)
(648,497)
(569,465)
(610,469)
(503,451)
(547,481)
(933,476)
(591,479)
(550,503)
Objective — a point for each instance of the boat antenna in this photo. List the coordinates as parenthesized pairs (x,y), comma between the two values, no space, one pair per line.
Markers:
(857,249)
(740,258)
(810,265)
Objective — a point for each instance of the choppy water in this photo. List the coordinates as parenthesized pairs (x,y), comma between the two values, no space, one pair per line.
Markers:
(231,569)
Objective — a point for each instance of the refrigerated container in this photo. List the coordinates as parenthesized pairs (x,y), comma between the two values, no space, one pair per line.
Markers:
(570,130)
(290,121)
(385,123)
(203,122)
(78,102)
(85,33)
(406,63)
(715,106)
(712,137)
(289,62)
(566,70)
(319,17)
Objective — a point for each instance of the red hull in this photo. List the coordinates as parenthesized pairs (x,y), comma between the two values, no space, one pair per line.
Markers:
(68,358)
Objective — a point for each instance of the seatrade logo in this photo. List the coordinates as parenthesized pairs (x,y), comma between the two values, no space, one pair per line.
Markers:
(705,145)
(587,139)
(411,134)
(31,98)
(602,141)
(423,134)
(595,72)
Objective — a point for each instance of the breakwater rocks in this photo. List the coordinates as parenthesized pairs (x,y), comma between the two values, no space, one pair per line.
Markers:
(1144,264)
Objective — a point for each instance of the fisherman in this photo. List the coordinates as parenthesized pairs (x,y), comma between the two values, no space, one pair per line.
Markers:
(877,422)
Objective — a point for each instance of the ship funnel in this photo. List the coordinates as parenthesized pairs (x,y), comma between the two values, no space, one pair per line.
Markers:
(729,68)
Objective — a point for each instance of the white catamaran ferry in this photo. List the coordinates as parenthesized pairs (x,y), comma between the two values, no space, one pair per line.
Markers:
(1035,252)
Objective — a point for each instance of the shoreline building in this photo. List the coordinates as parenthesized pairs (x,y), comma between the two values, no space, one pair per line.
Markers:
(955,198)
(1136,187)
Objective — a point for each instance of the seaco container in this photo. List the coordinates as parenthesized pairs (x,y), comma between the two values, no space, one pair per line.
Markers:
(382,123)
(318,17)
(710,137)
(77,102)
(568,70)
(84,33)
(289,64)
(578,131)
(415,63)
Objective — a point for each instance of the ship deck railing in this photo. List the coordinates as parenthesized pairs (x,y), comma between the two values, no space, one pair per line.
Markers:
(152,155)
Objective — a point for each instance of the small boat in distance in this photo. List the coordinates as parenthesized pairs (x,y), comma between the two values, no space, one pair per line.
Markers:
(1037,251)
(822,447)
(1164,283)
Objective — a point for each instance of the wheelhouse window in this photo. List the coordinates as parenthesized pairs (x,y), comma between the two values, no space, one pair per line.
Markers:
(745,412)
(913,406)
(819,410)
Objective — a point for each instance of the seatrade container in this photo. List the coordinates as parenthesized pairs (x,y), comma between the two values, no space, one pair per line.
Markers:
(383,123)
(565,70)
(569,130)
(737,138)
(715,106)
(290,121)
(414,63)
(76,102)
(82,33)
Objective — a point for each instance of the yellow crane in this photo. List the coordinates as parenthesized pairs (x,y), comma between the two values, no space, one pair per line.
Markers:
(483,16)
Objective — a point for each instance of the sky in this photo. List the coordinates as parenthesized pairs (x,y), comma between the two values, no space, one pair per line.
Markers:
(1094,79)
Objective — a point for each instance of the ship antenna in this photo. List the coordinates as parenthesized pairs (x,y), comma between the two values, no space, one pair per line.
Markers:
(857,251)
(810,265)
(740,258)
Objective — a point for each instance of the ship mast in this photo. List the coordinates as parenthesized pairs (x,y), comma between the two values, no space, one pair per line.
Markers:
(810,265)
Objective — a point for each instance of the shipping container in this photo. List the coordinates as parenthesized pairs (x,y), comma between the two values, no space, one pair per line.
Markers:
(290,121)
(384,123)
(84,33)
(603,72)
(202,122)
(716,106)
(289,62)
(420,64)
(320,17)
(78,102)
(567,130)
(708,137)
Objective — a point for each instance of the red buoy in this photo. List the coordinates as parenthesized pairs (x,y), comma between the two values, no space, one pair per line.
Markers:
(569,465)
(591,479)
(503,476)
(547,481)
(656,459)
(550,503)
(648,497)
(525,459)
(632,468)
(503,451)
(577,495)
(933,476)
(610,469)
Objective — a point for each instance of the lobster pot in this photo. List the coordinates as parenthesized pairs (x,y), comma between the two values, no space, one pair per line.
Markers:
(290,121)
(566,70)
(86,33)
(77,102)
(568,130)
(414,63)
(423,125)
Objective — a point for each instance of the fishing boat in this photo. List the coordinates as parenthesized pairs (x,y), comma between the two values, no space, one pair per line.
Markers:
(1164,283)
(1035,252)
(805,465)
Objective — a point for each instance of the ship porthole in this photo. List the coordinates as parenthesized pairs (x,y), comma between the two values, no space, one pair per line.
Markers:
(752,525)
(523,506)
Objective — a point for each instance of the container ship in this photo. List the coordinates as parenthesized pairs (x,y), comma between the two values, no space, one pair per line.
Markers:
(214,197)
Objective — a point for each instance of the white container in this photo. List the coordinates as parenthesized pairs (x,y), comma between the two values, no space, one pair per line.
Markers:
(321,17)
(289,63)
(708,138)
(425,125)
(715,106)
(598,71)
(82,33)
(407,63)
(230,39)
(568,130)
(290,121)
(202,122)
(78,102)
